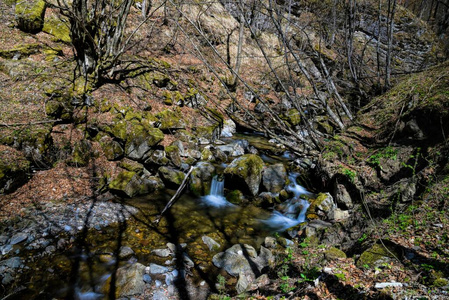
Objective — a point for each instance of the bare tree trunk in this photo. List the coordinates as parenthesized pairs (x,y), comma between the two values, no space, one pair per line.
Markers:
(391,13)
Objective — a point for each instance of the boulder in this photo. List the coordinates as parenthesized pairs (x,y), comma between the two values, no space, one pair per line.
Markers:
(376,256)
(245,172)
(201,178)
(130,184)
(229,128)
(243,259)
(130,280)
(323,206)
(141,140)
(210,243)
(30,15)
(274,178)
(170,120)
(172,178)
(111,149)
(173,152)
(156,158)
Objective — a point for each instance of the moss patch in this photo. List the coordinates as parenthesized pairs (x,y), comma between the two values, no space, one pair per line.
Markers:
(30,15)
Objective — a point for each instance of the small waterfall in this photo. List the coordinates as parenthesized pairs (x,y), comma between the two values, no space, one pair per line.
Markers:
(217,186)
(294,212)
(215,197)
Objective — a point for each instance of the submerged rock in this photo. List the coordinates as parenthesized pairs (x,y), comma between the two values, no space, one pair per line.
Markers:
(245,171)
(210,243)
(130,280)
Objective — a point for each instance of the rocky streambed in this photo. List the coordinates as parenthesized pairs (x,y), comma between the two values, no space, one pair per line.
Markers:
(112,248)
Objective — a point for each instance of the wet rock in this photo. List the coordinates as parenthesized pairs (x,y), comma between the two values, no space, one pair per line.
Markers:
(18,238)
(201,178)
(270,242)
(12,263)
(158,269)
(147,278)
(162,252)
(210,243)
(172,178)
(274,178)
(245,172)
(130,280)
(125,252)
(243,259)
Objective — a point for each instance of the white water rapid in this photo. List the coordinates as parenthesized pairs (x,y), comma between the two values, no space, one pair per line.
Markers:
(294,210)
(215,197)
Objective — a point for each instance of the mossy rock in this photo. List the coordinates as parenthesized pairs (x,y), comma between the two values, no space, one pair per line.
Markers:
(132,166)
(128,184)
(245,172)
(334,253)
(171,119)
(140,141)
(35,141)
(168,98)
(81,154)
(111,149)
(58,29)
(30,15)
(14,169)
(292,116)
(172,178)
(201,178)
(207,155)
(20,51)
(235,197)
(60,107)
(173,153)
(376,256)
(322,205)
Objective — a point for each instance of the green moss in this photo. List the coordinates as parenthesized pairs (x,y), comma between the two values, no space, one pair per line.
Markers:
(168,98)
(81,154)
(440,282)
(292,116)
(334,253)
(374,257)
(171,119)
(30,15)
(21,50)
(57,28)
(131,166)
(207,155)
(235,197)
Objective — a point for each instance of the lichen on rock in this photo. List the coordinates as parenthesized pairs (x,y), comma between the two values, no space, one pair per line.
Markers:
(30,15)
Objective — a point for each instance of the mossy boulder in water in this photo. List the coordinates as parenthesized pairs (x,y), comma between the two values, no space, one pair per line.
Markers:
(172,178)
(14,169)
(274,178)
(30,15)
(245,173)
(201,178)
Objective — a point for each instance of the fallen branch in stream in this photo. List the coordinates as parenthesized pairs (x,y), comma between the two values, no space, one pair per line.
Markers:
(175,196)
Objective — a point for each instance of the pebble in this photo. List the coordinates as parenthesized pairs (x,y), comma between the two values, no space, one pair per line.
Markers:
(147,278)
(158,269)
(161,252)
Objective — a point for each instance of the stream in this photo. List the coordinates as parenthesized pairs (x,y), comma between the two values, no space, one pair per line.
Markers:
(95,254)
